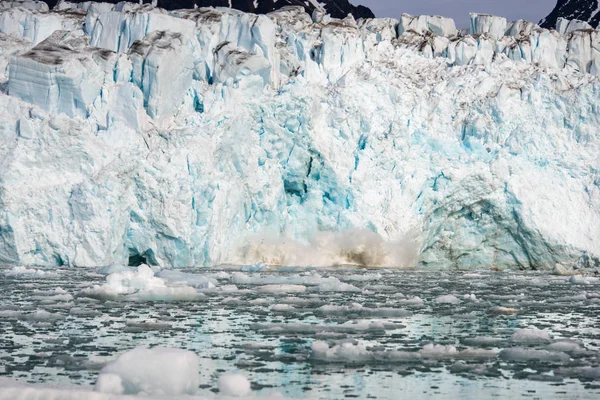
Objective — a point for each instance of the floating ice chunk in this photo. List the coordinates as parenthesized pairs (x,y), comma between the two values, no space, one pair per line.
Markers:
(524,354)
(43,315)
(21,271)
(447,299)
(351,327)
(579,372)
(229,289)
(561,270)
(414,302)
(438,351)
(532,335)
(565,347)
(176,293)
(194,280)
(499,310)
(357,309)
(281,289)
(140,285)
(583,280)
(358,353)
(10,314)
(283,308)
(346,352)
(156,371)
(335,286)
(235,385)
(52,298)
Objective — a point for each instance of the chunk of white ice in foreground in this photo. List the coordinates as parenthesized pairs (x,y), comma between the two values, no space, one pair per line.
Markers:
(234,385)
(156,371)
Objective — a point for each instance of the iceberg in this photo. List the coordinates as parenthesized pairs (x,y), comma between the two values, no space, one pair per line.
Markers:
(135,135)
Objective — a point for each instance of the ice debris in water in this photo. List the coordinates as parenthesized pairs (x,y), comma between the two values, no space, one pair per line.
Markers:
(531,335)
(525,354)
(583,280)
(499,310)
(21,271)
(235,385)
(273,289)
(359,353)
(140,285)
(255,268)
(447,299)
(156,371)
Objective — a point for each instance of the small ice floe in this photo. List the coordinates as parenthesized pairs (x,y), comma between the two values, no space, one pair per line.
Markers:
(499,310)
(561,270)
(313,281)
(437,351)
(281,289)
(447,299)
(10,314)
(156,371)
(24,272)
(566,347)
(525,354)
(588,372)
(349,327)
(42,316)
(194,280)
(414,302)
(531,335)
(140,285)
(235,385)
(358,309)
(351,353)
(583,280)
(283,308)
(358,353)
(335,286)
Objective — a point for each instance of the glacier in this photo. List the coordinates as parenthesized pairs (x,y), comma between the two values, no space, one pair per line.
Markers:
(202,137)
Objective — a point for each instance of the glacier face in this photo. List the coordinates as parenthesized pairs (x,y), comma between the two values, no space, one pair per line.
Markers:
(209,136)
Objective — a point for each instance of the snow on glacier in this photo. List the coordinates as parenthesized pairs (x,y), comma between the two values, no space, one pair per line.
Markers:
(227,137)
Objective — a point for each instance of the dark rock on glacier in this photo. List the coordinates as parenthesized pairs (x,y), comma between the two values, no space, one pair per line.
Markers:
(584,10)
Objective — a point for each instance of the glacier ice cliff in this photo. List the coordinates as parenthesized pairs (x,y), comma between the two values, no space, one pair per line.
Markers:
(209,136)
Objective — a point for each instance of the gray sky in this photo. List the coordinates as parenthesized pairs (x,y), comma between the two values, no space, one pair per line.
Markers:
(531,10)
